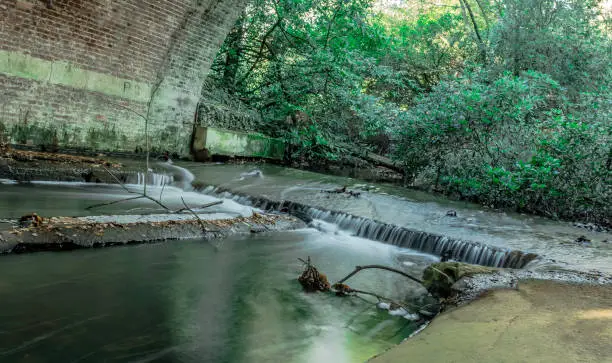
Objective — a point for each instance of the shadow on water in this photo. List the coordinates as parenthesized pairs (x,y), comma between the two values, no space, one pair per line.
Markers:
(184,302)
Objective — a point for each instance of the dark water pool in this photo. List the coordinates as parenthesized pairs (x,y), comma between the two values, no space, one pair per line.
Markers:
(186,301)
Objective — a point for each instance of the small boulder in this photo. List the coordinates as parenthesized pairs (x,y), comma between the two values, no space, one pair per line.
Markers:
(583,241)
(439,278)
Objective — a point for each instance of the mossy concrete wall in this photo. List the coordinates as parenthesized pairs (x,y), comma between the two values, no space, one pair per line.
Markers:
(83,73)
(233,143)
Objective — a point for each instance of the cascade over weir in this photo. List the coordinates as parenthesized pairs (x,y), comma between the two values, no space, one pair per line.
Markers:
(460,250)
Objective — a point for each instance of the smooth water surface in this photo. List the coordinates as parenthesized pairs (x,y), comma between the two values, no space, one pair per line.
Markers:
(50,199)
(185,301)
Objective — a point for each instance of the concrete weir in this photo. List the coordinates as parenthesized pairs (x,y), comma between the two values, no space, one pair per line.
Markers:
(67,233)
(460,250)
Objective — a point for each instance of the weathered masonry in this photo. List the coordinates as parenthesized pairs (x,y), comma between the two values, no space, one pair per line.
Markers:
(77,73)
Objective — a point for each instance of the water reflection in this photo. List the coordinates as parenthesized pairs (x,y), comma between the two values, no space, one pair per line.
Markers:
(185,302)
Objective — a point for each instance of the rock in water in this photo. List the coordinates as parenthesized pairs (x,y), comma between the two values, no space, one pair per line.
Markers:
(438,278)
(256,173)
(446,255)
(583,241)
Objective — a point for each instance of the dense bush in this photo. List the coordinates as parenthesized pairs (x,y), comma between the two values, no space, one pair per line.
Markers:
(514,141)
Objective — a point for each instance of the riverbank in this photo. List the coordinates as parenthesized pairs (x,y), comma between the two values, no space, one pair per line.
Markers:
(538,321)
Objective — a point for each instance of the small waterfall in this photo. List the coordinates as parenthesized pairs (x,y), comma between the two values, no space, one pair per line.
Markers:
(181,176)
(153,179)
(460,250)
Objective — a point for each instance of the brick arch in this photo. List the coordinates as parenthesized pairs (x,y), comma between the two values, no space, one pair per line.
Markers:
(75,67)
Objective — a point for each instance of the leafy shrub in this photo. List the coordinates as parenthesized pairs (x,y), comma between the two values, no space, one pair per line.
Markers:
(516,141)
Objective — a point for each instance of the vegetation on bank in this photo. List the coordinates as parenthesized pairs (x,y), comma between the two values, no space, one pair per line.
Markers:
(506,102)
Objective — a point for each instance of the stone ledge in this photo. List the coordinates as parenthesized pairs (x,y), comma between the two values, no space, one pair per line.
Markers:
(67,233)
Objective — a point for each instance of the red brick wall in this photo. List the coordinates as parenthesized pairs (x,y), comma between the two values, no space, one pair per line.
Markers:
(166,42)
(84,120)
(125,38)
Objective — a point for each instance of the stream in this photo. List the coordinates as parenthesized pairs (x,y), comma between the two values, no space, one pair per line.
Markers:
(186,301)
(554,240)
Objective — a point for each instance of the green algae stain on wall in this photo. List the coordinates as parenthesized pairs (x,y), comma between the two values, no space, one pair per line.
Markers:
(64,73)
(234,143)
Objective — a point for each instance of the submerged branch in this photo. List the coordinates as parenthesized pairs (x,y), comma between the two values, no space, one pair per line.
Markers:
(380,267)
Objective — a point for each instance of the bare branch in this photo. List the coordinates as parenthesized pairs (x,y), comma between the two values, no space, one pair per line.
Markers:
(113,202)
(162,191)
(141,195)
(131,110)
(194,214)
(380,267)
(217,202)
(117,180)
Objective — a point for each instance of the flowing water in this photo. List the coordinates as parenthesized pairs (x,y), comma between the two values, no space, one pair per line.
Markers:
(185,301)
(421,212)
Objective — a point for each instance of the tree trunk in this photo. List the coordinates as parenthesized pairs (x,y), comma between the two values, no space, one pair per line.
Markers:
(234,52)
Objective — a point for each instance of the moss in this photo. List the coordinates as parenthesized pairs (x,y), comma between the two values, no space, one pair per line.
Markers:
(438,278)
(34,133)
(102,138)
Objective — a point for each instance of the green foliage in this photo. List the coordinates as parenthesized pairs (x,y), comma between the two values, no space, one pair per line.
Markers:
(560,39)
(516,141)
(309,143)
(507,103)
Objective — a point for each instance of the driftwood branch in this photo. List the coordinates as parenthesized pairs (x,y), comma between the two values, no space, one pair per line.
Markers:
(113,202)
(379,267)
(312,280)
(194,214)
(140,195)
(217,202)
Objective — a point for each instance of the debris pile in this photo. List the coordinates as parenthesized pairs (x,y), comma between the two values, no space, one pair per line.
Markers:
(343,190)
(30,220)
(312,280)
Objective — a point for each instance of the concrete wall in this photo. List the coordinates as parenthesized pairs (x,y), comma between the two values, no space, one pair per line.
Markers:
(213,141)
(78,72)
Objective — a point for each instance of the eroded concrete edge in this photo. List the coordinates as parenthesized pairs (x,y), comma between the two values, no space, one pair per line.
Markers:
(57,234)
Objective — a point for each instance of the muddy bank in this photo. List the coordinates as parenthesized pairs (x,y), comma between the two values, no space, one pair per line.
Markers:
(66,233)
(538,321)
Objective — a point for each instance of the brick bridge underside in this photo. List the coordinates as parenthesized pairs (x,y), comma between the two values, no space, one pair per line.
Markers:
(82,73)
